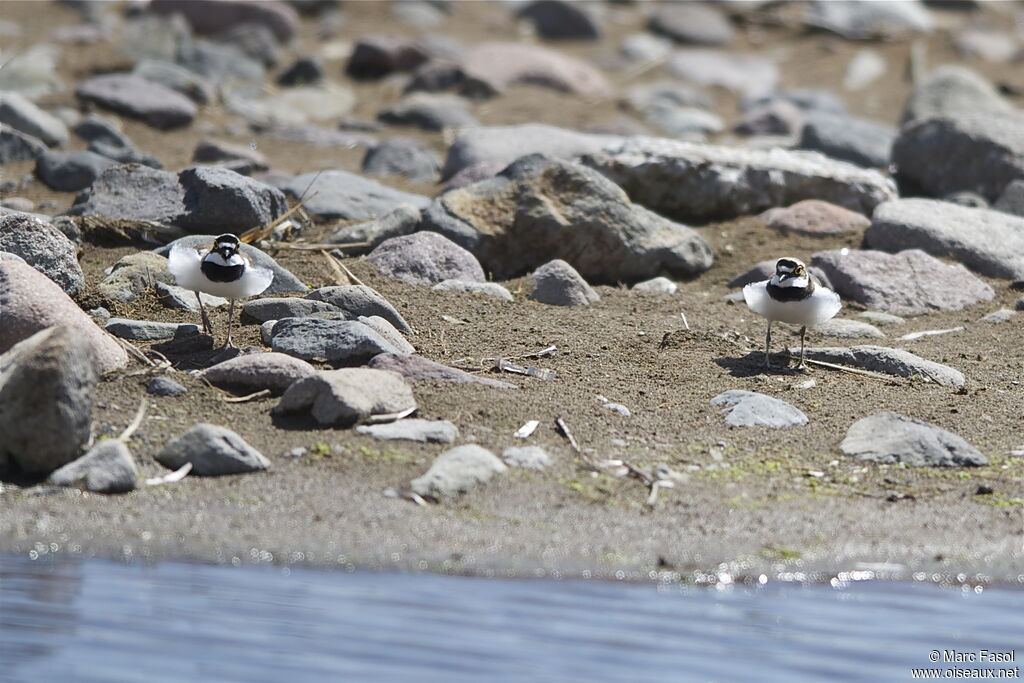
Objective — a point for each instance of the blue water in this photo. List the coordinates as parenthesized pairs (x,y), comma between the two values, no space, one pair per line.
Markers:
(89,620)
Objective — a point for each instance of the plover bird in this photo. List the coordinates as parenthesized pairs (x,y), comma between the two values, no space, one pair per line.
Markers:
(221,270)
(791,296)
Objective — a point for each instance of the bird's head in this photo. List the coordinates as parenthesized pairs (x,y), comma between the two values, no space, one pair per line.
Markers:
(226,245)
(790,272)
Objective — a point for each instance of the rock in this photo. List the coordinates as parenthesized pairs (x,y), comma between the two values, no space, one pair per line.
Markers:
(765,269)
(124,155)
(983,43)
(751,409)
(214,16)
(177,78)
(108,467)
(319,136)
(557,283)
(360,300)
(222,65)
(32,72)
(402,221)
(30,302)
(134,274)
(148,330)
(848,138)
(691,22)
(418,13)
(1001,316)
(617,408)
(1020,304)
(254,41)
(458,470)
(132,192)
(180,298)
(879,318)
(440,75)
(16,146)
(687,123)
(1012,198)
(346,397)
(472,174)
(491,289)
(165,386)
(501,145)
(292,106)
(540,208)
(891,361)
(284,280)
(47,382)
(889,438)
(688,179)
(428,111)
(232,202)
(418,369)
(774,117)
(425,258)
(906,283)
(404,157)
(216,151)
(347,196)
(501,65)
(44,248)
(133,96)
(70,171)
(866,67)
(988,242)
(252,372)
(805,99)
(980,153)
(526,457)
(388,331)
(657,285)
(659,94)
(336,341)
(847,329)
(814,218)
(273,308)
(305,70)
(423,431)
(864,20)
(377,56)
(213,451)
(952,90)
(561,19)
(20,113)
(22,204)
(739,73)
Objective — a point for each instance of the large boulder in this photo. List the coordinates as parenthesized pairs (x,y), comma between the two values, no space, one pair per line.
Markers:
(539,209)
(215,196)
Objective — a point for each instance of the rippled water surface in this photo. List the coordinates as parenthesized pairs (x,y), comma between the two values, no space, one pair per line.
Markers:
(91,620)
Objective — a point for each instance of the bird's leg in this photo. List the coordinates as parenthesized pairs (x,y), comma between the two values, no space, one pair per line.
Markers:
(803,365)
(768,347)
(207,327)
(231,316)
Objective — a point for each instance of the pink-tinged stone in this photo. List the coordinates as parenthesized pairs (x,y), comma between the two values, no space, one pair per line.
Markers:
(213,16)
(504,64)
(30,301)
(814,218)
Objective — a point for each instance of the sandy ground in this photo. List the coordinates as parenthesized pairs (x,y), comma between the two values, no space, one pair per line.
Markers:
(746,502)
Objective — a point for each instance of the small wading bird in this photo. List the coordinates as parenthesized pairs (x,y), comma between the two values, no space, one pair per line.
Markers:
(221,270)
(791,296)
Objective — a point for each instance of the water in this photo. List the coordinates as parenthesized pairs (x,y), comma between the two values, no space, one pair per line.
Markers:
(90,620)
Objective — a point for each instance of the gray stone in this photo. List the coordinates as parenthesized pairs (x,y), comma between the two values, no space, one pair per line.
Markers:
(860,141)
(814,218)
(540,209)
(70,171)
(657,285)
(22,204)
(220,64)
(807,100)
(984,43)
(687,179)
(440,75)
(305,70)
(879,318)
(557,283)
(617,408)
(44,248)
(377,56)
(284,280)
(1012,198)
(133,192)
(148,330)
(953,90)
(1003,315)
(389,332)
(30,302)
(429,111)
(217,151)
(491,289)
(968,199)
(751,409)
(402,221)
(418,13)
(685,123)
(775,117)
(213,16)
(254,40)
(96,128)
(134,274)
(336,341)
(32,71)
(458,470)
(910,282)
(891,361)
(889,438)
(848,329)
(742,74)
(504,64)
(863,20)
(349,396)
(419,369)
(232,202)
(262,310)
(403,156)
(644,47)
(423,431)
(560,19)
(267,332)
(150,102)
(165,386)
(988,242)
(347,196)
(16,146)
(47,384)
(526,457)
(425,258)
(20,113)
(108,467)
(177,78)
(292,106)
(173,296)
(360,300)
(863,69)
(691,22)
(252,372)
(124,155)
(980,153)
(660,94)
(213,451)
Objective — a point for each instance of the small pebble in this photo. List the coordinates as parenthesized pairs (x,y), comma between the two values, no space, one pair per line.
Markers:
(165,386)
